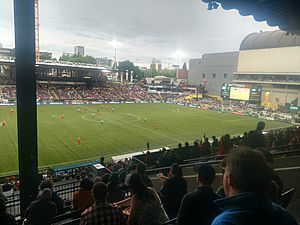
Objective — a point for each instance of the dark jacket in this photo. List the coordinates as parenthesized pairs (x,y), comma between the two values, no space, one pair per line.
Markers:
(251,208)
(172,192)
(197,208)
(40,210)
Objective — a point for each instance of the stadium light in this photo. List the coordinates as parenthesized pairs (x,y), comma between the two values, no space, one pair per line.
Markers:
(178,54)
(115,44)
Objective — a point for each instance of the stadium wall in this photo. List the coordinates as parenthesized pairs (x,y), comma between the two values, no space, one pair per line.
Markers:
(213,70)
(284,61)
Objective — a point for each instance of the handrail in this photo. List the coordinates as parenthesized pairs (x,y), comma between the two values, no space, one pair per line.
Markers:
(196,161)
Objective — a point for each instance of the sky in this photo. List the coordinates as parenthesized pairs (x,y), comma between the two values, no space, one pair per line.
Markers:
(143,28)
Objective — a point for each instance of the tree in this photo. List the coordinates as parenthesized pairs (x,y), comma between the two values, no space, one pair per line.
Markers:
(78,58)
(129,66)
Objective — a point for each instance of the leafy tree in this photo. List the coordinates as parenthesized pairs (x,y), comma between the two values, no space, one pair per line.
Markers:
(78,58)
(46,55)
(128,65)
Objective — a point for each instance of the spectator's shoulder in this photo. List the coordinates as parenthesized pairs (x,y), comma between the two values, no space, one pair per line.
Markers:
(285,216)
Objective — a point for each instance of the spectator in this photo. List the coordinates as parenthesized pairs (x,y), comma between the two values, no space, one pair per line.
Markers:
(197,208)
(2,196)
(83,198)
(173,190)
(115,193)
(214,145)
(206,147)
(140,170)
(145,206)
(6,218)
(54,196)
(41,209)
(220,191)
(102,212)
(255,137)
(246,175)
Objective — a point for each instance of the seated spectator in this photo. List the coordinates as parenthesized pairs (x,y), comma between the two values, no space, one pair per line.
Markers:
(140,170)
(6,218)
(145,206)
(115,193)
(173,190)
(246,175)
(41,209)
(197,208)
(54,196)
(220,191)
(83,198)
(2,196)
(102,212)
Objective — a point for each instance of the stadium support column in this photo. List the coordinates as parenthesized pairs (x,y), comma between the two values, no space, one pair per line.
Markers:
(24,18)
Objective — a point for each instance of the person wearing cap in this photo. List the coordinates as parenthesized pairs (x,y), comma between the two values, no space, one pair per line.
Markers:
(145,205)
(83,198)
(41,209)
(197,208)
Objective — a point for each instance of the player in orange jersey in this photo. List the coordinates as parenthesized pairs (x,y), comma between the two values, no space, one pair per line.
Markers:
(78,141)
(12,111)
(62,116)
(3,123)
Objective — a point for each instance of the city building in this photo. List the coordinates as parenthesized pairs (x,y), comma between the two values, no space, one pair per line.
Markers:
(79,50)
(104,61)
(68,54)
(182,74)
(213,70)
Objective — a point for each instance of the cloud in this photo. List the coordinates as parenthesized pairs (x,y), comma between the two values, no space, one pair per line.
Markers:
(146,29)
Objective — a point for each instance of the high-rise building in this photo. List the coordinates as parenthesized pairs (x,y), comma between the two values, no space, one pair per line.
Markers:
(79,50)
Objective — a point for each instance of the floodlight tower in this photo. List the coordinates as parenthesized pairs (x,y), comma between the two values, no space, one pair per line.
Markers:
(115,44)
(178,54)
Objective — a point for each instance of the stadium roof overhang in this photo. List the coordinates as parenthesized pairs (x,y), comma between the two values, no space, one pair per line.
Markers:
(282,13)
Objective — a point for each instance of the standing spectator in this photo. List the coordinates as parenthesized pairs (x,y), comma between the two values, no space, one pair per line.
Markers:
(54,196)
(246,175)
(41,209)
(173,190)
(6,218)
(214,145)
(255,137)
(145,206)
(102,212)
(83,198)
(140,170)
(206,147)
(197,208)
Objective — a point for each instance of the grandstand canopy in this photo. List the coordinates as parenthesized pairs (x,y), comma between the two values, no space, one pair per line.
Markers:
(270,39)
(282,13)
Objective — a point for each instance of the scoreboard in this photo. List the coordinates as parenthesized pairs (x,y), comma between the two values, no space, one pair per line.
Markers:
(241,92)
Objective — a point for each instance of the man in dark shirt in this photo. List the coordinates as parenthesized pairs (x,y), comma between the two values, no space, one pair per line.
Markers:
(255,137)
(41,209)
(197,208)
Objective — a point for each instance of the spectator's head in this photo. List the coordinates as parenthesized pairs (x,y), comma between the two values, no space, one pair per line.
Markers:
(260,125)
(46,194)
(137,186)
(140,169)
(175,171)
(99,191)
(226,137)
(86,184)
(46,184)
(105,178)
(114,178)
(246,170)
(97,179)
(206,175)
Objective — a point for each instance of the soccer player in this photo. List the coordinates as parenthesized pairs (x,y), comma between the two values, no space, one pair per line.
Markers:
(12,111)
(112,109)
(62,116)
(78,110)
(145,119)
(129,114)
(53,116)
(93,114)
(102,121)
(4,123)
(78,141)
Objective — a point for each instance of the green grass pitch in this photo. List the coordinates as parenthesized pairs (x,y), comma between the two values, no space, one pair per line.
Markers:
(108,133)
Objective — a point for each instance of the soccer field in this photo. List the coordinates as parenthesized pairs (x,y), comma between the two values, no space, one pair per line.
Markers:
(104,132)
